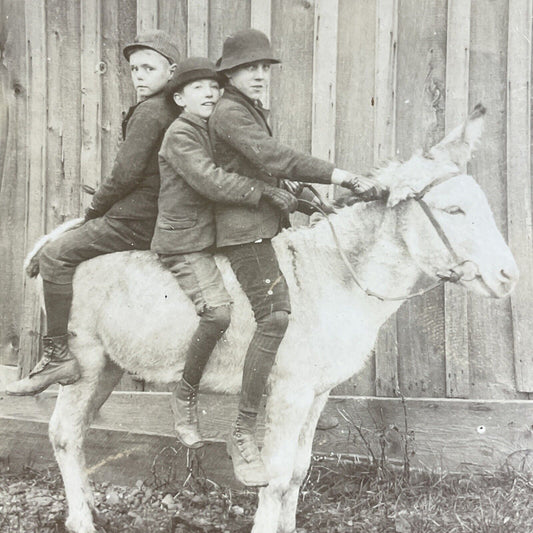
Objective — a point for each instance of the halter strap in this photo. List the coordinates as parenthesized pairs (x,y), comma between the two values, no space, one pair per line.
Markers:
(452,276)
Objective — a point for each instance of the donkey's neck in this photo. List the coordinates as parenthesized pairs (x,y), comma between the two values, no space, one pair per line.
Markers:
(369,237)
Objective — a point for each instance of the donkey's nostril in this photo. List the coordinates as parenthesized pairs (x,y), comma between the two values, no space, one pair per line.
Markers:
(504,275)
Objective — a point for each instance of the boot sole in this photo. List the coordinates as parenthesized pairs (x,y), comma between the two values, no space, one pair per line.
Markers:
(195,446)
(239,479)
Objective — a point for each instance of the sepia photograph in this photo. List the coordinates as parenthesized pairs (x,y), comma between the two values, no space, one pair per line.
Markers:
(266,266)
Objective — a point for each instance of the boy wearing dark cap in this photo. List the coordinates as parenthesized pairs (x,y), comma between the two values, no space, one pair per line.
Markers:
(242,140)
(122,213)
(184,235)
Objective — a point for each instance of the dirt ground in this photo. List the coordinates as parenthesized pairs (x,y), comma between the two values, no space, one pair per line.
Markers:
(335,498)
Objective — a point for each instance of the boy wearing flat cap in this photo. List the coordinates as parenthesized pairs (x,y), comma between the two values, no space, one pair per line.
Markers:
(122,213)
(184,235)
(242,141)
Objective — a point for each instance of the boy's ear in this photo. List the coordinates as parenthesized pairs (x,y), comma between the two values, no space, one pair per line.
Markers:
(178,99)
(171,70)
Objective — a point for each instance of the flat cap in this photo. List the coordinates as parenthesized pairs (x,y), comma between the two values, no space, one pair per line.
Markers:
(157,40)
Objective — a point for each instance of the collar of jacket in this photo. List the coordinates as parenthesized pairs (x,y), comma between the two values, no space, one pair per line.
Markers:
(234,94)
(193,119)
(127,115)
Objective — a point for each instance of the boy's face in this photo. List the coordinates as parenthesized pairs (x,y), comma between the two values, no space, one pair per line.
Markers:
(251,79)
(199,97)
(150,72)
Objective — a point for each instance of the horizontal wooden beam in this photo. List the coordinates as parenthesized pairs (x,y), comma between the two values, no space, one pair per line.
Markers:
(132,428)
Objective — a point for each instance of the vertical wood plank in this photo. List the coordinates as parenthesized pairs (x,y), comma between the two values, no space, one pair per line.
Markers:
(325,82)
(355,119)
(13,108)
(118,28)
(420,123)
(384,146)
(489,321)
(520,213)
(197,27)
(226,17)
(455,312)
(261,19)
(92,69)
(35,171)
(147,15)
(173,19)
(63,160)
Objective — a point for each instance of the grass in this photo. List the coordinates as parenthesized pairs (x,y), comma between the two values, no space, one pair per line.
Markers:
(337,497)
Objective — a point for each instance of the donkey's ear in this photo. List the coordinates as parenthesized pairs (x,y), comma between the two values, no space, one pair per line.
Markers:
(459,144)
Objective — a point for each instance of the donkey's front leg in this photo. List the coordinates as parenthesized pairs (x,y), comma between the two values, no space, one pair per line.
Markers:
(289,502)
(75,408)
(287,409)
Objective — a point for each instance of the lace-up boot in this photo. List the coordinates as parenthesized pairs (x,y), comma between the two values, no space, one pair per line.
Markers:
(57,365)
(184,405)
(242,448)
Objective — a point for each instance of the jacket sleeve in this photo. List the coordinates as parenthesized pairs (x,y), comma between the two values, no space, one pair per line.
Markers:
(193,163)
(145,131)
(238,128)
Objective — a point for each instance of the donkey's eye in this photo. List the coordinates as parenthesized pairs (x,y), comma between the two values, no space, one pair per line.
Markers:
(454,210)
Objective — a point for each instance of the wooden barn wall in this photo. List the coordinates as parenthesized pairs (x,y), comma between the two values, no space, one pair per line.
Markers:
(360,81)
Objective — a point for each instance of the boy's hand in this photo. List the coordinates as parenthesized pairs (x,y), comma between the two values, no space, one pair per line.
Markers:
(294,187)
(90,213)
(366,188)
(280,198)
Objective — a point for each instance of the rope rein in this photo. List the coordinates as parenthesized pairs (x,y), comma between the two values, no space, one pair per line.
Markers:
(452,276)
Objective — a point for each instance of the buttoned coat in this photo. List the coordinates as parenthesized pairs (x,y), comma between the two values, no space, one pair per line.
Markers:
(242,142)
(131,191)
(190,183)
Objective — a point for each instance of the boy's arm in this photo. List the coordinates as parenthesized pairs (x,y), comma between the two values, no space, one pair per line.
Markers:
(239,129)
(194,164)
(145,131)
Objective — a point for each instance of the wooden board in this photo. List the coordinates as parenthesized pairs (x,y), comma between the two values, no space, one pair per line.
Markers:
(197,27)
(490,325)
(384,147)
(420,123)
(455,300)
(519,193)
(226,17)
(445,435)
(35,171)
(147,15)
(64,101)
(92,69)
(354,131)
(173,19)
(13,147)
(324,99)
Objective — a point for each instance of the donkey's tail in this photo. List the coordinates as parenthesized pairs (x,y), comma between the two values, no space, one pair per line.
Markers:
(31,263)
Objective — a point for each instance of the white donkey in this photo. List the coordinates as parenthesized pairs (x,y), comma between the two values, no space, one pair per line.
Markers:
(129,313)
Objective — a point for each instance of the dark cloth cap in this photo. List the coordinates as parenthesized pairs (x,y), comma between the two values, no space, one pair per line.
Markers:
(157,40)
(189,70)
(245,47)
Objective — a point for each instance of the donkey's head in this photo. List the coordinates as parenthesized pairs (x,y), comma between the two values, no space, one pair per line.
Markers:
(444,217)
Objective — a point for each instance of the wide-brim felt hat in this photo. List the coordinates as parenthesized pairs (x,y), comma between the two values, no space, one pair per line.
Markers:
(157,40)
(192,69)
(243,47)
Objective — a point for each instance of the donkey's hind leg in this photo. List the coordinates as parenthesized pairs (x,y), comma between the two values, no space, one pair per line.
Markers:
(289,501)
(75,409)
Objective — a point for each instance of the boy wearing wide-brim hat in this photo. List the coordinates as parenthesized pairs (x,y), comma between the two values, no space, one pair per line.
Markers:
(122,213)
(184,236)
(242,140)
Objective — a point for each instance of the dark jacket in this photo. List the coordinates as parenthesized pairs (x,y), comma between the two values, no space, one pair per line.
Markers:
(131,191)
(190,183)
(242,142)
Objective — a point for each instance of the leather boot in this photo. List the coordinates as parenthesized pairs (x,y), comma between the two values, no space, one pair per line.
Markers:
(248,466)
(184,405)
(57,365)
